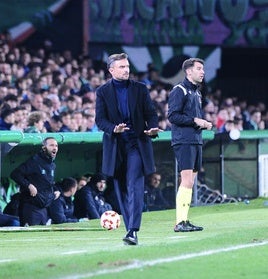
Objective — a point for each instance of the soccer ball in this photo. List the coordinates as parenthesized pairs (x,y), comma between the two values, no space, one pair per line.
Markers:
(110,220)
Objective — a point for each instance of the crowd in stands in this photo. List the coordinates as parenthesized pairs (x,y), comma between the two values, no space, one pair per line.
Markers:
(231,113)
(45,91)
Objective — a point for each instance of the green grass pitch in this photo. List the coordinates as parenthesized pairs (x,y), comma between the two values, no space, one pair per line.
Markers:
(233,244)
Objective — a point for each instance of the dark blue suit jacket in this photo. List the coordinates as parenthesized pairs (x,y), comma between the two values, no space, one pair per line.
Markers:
(143,117)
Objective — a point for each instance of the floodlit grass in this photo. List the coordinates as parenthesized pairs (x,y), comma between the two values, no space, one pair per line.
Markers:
(234,244)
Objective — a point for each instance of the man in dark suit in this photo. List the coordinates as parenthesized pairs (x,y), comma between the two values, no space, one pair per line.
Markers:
(126,115)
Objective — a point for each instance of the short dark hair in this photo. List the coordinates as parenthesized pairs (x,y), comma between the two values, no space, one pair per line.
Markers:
(188,63)
(115,57)
(48,102)
(55,118)
(6,112)
(68,183)
(45,140)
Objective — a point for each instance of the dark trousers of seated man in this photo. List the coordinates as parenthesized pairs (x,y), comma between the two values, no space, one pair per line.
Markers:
(31,215)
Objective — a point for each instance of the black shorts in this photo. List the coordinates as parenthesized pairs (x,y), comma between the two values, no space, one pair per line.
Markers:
(188,156)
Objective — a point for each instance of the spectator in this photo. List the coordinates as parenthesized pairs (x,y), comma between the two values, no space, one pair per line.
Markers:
(71,104)
(11,100)
(36,122)
(7,118)
(265,119)
(73,125)
(255,121)
(153,196)
(37,102)
(66,122)
(89,201)
(56,104)
(64,92)
(23,87)
(48,107)
(91,125)
(3,89)
(244,111)
(222,117)
(238,123)
(79,102)
(78,118)
(35,177)
(26,103)
(95,82)
(74,89)
(20,117)
(53,124)
(210,113)
(61,210)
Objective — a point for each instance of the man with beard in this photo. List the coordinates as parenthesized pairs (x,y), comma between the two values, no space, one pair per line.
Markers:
(35,177)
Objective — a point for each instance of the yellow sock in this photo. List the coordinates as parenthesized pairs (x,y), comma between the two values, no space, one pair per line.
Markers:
(183,202)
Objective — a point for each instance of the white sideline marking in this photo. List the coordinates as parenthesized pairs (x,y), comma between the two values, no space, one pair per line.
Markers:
(136,264)
(6,261)
(74,252)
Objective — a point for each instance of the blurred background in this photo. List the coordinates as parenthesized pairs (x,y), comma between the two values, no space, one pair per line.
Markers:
(232,36)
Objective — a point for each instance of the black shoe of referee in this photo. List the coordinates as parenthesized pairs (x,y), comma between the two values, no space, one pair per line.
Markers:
(186,226)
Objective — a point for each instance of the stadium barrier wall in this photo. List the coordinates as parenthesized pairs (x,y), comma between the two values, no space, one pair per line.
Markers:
(230,166)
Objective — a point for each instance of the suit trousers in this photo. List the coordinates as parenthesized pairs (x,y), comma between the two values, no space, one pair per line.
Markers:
(129,189)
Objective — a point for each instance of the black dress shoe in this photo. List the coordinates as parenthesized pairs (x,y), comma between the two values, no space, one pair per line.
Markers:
(131,238)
